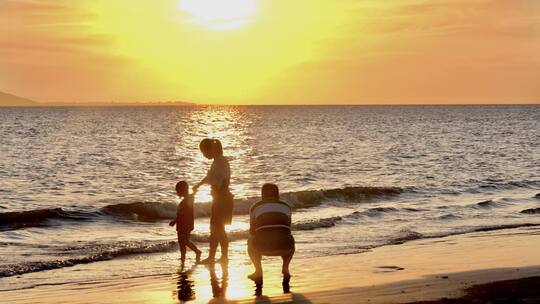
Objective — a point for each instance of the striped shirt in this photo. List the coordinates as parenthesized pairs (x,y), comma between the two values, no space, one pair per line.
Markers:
(270,214)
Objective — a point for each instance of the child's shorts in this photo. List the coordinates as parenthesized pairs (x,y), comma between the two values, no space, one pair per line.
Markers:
(183,236)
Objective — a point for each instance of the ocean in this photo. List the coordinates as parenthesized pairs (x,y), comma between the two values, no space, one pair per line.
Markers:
(80,187)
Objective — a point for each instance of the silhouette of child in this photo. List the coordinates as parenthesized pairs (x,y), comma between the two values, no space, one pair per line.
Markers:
(184,220)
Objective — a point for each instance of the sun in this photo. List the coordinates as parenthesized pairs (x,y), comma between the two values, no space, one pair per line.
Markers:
(219,14)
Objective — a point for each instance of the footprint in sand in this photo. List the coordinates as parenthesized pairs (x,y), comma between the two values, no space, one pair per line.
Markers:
(384,269)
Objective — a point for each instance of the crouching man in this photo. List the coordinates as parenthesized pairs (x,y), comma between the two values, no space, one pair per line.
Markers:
(270,232)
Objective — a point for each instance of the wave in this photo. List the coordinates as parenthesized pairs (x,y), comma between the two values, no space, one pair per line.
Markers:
(332,221)
(103,253)
(297,200)
(93,252)
(144,211)
(531,211)
(414,209)
(155,211)
(488,204)
(316,224)
(233,236)
(405,236)
(502,184)
(498,227)
(375,212)
(36,218)
(481,229)
(410,235)
(449,216)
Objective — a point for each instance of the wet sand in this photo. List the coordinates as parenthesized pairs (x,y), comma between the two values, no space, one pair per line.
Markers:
(423,270)
(523,290)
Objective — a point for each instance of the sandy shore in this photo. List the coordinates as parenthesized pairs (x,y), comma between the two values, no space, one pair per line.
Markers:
(421,270)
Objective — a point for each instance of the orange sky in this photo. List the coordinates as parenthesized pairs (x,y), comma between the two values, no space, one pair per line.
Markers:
(272,51)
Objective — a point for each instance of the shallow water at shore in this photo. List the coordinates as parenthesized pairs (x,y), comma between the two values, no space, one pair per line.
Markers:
(420,270)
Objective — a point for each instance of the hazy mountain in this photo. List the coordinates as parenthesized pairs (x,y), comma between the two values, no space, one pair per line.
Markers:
(8,100)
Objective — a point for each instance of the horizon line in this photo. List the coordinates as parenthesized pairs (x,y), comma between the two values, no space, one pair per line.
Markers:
(193,104)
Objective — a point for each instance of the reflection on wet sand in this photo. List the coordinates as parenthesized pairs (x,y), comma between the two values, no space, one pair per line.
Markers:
(229,283)
(285,284)
(219,289)
(296,298)
(185,285)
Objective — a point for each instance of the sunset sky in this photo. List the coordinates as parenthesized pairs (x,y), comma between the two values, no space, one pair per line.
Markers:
(272,51)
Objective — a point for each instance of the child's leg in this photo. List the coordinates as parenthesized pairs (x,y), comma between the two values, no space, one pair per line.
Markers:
(192,246)
(195,249)
(182,245)
(183,251)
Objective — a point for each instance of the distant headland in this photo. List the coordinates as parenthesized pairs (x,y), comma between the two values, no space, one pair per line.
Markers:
(10,100)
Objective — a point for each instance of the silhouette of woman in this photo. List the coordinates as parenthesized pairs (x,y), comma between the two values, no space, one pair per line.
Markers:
(218,177)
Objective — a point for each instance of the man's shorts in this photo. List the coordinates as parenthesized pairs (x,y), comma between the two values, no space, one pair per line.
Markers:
(272,243)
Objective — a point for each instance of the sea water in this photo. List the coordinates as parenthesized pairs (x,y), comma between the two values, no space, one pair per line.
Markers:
(83,186)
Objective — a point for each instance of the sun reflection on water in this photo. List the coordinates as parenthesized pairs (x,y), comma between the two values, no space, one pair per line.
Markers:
(231,125)
(226,123)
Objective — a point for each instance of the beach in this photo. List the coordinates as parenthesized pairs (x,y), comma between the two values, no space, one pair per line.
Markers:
(420,270)
(384,200)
